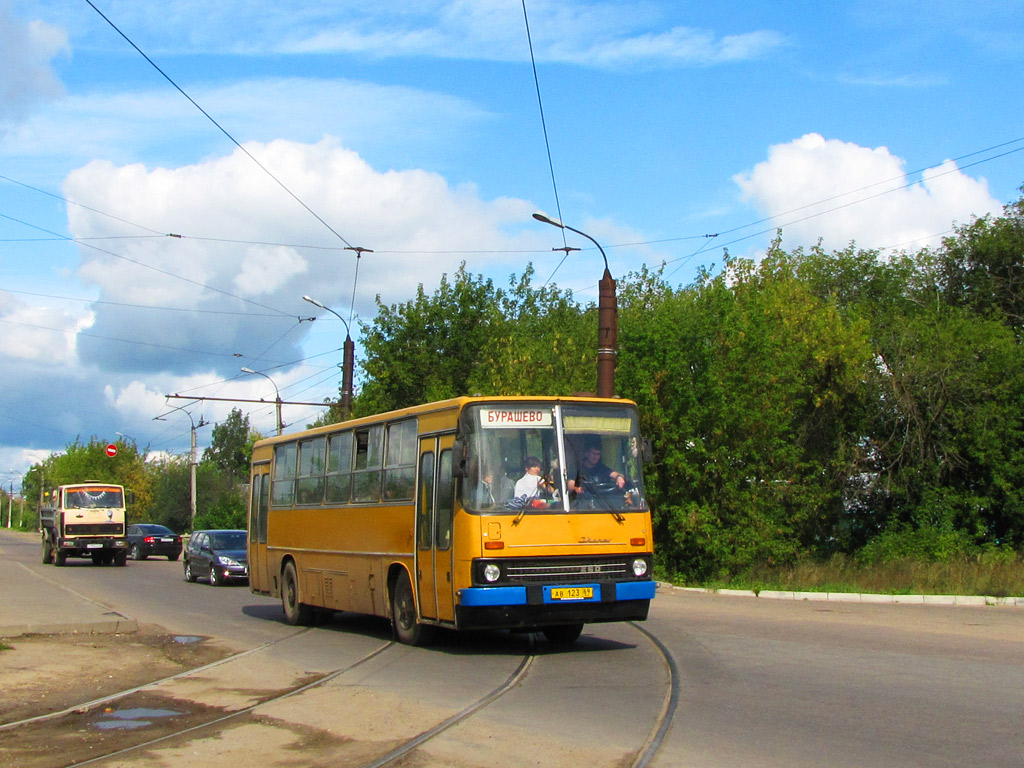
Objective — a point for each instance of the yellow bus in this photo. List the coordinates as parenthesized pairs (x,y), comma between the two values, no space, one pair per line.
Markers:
(432,517)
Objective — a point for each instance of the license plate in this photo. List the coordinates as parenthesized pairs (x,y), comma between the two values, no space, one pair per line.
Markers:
(572,593)
(94,546)
(166,539)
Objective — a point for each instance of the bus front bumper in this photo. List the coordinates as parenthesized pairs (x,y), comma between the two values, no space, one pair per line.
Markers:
(541,605)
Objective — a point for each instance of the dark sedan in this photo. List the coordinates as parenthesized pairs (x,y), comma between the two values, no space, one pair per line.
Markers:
(218,556)
(145,539)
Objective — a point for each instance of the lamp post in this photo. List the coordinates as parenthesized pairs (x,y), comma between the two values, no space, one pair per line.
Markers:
(607,316)
(191,463)
(348,360)
(280,425)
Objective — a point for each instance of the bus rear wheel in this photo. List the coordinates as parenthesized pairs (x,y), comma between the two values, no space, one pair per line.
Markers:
(295,613)
(403,615)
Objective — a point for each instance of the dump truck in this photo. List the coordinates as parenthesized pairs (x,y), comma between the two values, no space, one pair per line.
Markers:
(85,520)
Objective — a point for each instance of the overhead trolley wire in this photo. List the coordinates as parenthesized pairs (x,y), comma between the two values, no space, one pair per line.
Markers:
(219,127)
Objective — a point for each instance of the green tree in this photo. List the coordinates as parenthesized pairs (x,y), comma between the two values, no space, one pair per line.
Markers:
(83,462)
(230,449)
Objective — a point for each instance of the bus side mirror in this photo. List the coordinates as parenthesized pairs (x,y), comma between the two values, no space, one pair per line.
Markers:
(459,458)
(129,497)
(646,450)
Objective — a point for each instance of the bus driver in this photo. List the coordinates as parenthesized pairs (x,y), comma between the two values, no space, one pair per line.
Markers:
(593,472)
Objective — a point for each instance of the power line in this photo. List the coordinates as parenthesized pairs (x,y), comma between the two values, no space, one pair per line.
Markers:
(218,125)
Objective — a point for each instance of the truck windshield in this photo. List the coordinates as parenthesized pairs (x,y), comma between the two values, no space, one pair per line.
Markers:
(551,458)
(93,497)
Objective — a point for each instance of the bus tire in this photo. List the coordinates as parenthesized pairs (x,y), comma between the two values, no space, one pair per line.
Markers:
(295,613)
(403,614)
(562,635)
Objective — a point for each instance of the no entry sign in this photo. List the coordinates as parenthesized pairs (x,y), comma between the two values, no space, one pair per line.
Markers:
(111,450)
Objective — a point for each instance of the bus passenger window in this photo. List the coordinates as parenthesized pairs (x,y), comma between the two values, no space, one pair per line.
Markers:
(400,461)
(283,490)
(366,478)
(339,468)
(312,463)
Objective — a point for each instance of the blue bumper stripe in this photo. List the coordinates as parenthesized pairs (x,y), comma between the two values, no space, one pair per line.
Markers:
(496,596)
(492,596)
(636,590)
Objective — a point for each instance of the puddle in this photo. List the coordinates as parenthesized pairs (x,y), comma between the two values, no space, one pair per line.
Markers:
(129,719)
(186,639)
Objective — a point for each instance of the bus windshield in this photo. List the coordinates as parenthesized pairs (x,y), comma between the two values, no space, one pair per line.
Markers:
(93,497)
(538,458)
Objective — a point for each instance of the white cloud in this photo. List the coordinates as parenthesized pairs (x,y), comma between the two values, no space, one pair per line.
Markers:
(26,75)
(596,34)
(38,334)
(841,192)
(244,297)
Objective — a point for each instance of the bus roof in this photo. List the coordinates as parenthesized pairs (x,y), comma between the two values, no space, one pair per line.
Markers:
(455,403)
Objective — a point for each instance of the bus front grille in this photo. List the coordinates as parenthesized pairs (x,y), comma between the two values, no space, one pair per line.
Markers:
(568,571)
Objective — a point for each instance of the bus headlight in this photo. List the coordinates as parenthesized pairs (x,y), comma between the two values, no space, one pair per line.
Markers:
(639,567)
(492,572)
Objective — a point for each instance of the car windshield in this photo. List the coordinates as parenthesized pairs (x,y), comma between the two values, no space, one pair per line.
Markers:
(230,540)
(549,457)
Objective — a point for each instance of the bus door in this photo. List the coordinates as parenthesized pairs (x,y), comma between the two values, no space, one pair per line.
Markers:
(435,502)
(259,502)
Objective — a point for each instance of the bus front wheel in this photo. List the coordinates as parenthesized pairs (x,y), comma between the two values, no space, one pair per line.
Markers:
(403,615)
(295,613)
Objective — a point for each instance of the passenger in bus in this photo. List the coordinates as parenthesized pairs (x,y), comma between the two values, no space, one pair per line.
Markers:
(593,472)
(493,489)
(531,485)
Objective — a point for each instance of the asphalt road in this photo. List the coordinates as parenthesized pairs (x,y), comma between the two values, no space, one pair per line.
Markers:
(762,682)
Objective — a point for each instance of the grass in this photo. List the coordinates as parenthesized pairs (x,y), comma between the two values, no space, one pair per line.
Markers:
(980,575)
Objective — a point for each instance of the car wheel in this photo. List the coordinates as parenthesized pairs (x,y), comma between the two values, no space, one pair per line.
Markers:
(403,615)
(295,613)
(136,553)
(189,574)
(216,580)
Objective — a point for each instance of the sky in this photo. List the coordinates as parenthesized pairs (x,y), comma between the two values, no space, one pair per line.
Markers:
(176,175)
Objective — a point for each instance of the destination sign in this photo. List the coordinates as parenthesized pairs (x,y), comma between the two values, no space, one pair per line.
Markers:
(514,418)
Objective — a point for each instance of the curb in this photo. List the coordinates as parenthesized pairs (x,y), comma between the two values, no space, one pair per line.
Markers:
(853,597)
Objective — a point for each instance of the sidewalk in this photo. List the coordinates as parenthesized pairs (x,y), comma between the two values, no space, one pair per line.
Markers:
(32,603)
(853,597)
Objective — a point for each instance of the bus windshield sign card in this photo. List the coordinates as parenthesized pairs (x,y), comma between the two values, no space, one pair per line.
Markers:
(514,418)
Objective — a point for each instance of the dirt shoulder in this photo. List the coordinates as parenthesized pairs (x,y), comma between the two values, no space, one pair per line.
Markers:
(41,674)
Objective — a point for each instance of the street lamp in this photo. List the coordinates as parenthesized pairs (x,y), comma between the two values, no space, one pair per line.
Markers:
(348,359)
(607,316)
(280,425)
(192,461)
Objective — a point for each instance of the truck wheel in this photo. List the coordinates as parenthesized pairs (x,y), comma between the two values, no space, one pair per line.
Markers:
(120,559)
(47,552)
(59,558)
